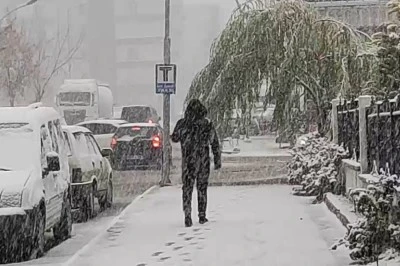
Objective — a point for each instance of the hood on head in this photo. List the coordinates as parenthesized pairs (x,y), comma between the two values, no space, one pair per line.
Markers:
(195,110)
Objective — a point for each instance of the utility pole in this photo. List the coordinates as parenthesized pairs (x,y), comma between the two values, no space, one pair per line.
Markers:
(165,179)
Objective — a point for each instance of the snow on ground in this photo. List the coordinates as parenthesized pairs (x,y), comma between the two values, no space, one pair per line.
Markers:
(81,235)
(262,225)
(259,146)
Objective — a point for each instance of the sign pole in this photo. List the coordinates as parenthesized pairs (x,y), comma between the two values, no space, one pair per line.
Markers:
(165,179)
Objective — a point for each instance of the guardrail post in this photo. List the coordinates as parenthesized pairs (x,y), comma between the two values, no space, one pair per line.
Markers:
(334,121)
(363,102)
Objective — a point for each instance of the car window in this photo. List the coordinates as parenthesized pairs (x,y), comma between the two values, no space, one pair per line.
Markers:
(136,131)
(136,114)
(93,145)
(82,143)
(91,127)
(155,114)
(45,144)
(90,145)
(53,136)
(100,129)
(68,144)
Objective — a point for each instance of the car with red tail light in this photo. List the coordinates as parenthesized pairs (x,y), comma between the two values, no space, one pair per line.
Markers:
(137,145)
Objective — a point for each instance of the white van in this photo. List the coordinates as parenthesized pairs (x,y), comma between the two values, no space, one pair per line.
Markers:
(34,181)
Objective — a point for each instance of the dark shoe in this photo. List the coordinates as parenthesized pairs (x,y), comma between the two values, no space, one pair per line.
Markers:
(188,222)
(203,220)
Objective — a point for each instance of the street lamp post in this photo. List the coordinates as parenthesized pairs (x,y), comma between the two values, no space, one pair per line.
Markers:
(29,3)
(165,179)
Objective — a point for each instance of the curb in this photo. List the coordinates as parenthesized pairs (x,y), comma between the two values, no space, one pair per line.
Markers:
(342,218)
(265,181)
(71,260)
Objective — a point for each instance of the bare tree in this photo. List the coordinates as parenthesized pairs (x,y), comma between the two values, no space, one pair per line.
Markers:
(47,67)
(16,61)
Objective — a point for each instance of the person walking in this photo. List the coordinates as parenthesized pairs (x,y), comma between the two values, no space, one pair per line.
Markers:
(196,134)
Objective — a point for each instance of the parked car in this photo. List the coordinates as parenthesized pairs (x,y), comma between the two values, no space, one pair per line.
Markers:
(140,114)
(103,130)
(91,171)
(137,145)
(34,181)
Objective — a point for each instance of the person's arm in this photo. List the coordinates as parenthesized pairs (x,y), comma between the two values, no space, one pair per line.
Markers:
(176,134)
(216,148)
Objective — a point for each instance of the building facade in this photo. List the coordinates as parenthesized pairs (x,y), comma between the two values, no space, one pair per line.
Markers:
(139,35)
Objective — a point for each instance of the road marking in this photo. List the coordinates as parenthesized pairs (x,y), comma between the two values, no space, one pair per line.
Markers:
(113,222)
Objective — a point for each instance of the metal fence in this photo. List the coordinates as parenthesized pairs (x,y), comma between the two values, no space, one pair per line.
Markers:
(383,135)
(348,127)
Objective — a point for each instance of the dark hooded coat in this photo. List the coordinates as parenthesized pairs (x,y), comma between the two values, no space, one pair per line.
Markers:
(196,134)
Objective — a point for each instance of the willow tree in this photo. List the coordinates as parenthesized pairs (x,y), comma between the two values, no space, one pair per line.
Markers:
(288,45)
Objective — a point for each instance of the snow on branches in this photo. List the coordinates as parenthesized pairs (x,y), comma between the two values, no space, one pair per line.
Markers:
(369,237)
(314,165)
(16,65)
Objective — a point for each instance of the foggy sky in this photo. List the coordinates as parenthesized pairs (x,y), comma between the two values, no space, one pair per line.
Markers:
(189,67)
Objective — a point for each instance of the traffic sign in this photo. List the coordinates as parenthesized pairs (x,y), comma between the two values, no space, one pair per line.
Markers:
(165,79)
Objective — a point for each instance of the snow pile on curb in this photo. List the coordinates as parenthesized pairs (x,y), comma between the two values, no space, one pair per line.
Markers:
(378,231)
(314,165)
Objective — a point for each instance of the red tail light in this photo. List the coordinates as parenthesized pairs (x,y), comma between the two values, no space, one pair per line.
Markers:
(113,143)
(156,142)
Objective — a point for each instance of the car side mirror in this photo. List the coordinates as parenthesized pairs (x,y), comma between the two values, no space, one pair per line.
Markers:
(53,162)
(106,152)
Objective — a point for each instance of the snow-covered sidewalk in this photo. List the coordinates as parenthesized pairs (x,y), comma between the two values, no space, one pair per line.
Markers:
(262,225)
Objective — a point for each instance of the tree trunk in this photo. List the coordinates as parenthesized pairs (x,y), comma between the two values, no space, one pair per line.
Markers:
(12,101)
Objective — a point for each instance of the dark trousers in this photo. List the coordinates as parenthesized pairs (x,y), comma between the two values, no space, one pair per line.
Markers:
(200,177)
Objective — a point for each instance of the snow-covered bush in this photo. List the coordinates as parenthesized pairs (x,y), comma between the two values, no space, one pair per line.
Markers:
(314,165)
(372,235)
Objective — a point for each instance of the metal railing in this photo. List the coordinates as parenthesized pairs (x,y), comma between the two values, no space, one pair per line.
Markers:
(348,127)
(383,135)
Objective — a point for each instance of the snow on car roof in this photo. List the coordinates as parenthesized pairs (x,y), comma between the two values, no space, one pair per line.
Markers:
(114,122)
(139,125)
(76,129)
(28,114)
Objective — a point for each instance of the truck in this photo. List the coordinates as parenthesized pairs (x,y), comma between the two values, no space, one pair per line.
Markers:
(80,100)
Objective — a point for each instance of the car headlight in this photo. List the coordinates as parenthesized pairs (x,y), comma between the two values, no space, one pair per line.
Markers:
(8,200)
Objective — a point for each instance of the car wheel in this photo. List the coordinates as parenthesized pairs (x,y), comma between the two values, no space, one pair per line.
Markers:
(64,229)
(88,204)
(107,199)
(38,234)
(110,194)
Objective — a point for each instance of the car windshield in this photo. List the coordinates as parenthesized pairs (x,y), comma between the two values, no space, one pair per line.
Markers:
(100,129)
(18,147)
(136,131)
(74,98)
(136,114)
